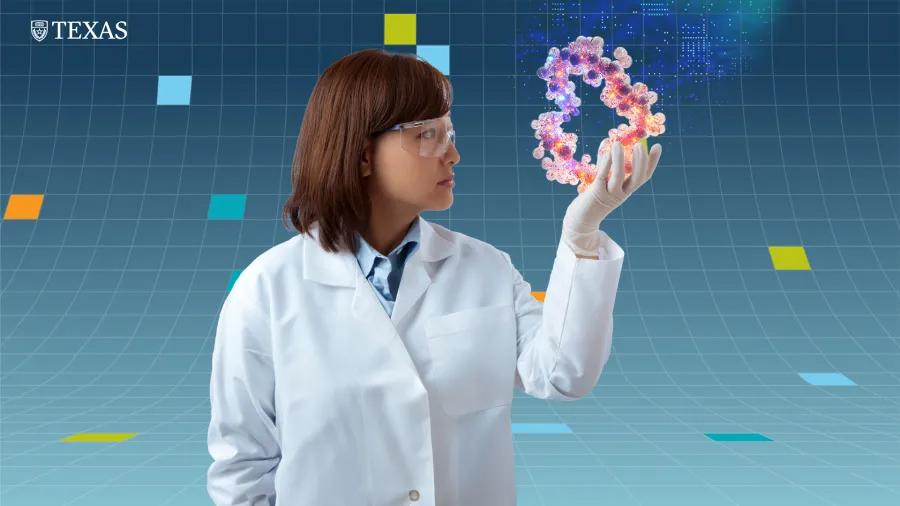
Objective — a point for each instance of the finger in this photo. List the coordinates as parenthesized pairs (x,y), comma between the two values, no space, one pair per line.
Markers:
(653,159)
(598,185)
(617,172)
(627,183)
(628,178)
(638,168)
(599,154)
(602,168)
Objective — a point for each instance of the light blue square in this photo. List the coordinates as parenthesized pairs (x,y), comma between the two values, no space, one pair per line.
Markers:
(174,90)
(826,379)
(437,56)
(541,428)
(224,206)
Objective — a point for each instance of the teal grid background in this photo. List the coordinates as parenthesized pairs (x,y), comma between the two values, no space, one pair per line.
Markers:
(164,161)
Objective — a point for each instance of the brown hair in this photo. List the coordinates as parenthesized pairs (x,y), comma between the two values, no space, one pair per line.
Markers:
(353,100)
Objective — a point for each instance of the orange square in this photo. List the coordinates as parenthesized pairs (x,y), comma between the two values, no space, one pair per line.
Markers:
(23,207)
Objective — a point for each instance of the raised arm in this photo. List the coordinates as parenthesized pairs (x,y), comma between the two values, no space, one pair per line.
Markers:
(564,343)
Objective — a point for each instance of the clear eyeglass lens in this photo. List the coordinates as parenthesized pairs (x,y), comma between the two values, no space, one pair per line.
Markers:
(431,138)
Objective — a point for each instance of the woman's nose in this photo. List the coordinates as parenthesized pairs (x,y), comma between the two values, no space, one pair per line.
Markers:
(452,154)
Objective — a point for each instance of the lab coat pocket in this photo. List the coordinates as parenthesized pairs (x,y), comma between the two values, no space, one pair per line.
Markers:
(473,357)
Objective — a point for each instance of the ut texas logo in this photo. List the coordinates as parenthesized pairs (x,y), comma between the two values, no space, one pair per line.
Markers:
(73,30)
(39,29)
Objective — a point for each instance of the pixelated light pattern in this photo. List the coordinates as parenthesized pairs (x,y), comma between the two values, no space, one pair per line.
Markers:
(584,57)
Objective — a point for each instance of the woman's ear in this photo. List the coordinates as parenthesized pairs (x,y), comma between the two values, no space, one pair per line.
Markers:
(365,165)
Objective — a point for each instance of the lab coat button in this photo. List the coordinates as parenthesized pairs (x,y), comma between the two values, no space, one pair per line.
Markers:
(413,495)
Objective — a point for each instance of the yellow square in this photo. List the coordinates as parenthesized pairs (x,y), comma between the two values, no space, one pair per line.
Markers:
(400,29)
(23,207)
(789,258)
(99,437)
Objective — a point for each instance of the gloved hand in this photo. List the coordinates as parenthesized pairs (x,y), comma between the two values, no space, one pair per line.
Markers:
(605,194)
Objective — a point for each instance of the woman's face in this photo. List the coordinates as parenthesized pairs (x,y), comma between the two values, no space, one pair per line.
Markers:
(397,176)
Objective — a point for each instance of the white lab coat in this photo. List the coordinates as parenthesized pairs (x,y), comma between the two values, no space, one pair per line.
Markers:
(312,379)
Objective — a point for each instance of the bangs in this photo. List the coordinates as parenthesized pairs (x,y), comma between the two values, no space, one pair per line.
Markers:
(402,87)
(423,92)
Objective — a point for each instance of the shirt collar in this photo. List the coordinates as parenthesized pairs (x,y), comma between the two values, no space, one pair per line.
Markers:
(366,254)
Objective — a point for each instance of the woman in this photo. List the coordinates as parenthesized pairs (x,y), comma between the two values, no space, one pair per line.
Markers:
(335,380)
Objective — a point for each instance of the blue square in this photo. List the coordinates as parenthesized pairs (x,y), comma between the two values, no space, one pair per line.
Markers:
(541,428)
(224,206)
(174,90)
(826,379)
(437,56)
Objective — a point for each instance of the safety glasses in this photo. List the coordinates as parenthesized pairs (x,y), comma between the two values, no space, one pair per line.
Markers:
(429,138)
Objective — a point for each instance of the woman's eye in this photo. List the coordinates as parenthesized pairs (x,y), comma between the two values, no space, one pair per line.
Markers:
(428,134)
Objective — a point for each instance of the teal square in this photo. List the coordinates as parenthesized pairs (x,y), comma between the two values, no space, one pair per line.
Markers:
(740,436)
(174,90)
(437,56)
(234,276)
(224,206)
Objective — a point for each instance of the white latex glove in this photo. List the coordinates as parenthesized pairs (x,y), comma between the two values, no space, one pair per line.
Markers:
(605,194)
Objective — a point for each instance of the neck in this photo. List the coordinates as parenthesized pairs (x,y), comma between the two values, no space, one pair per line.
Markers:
(388,224)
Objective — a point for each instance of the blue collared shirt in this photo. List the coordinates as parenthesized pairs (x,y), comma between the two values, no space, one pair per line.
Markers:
(384,272)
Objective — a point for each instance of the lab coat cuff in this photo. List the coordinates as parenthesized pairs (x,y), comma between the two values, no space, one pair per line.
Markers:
(601,245)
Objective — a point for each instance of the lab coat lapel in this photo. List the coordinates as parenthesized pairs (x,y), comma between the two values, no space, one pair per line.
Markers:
(419,269)
(415,280)
(341,269)
(367,317)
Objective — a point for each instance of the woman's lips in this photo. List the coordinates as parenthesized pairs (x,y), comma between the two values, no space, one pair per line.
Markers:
(448,182)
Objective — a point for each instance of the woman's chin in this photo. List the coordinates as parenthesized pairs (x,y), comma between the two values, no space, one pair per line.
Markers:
(443,204)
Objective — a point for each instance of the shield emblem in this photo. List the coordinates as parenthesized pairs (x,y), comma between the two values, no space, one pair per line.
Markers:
(39,28)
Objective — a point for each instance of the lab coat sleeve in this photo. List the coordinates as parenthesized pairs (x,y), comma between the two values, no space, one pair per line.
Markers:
(564,343)
(242,437)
